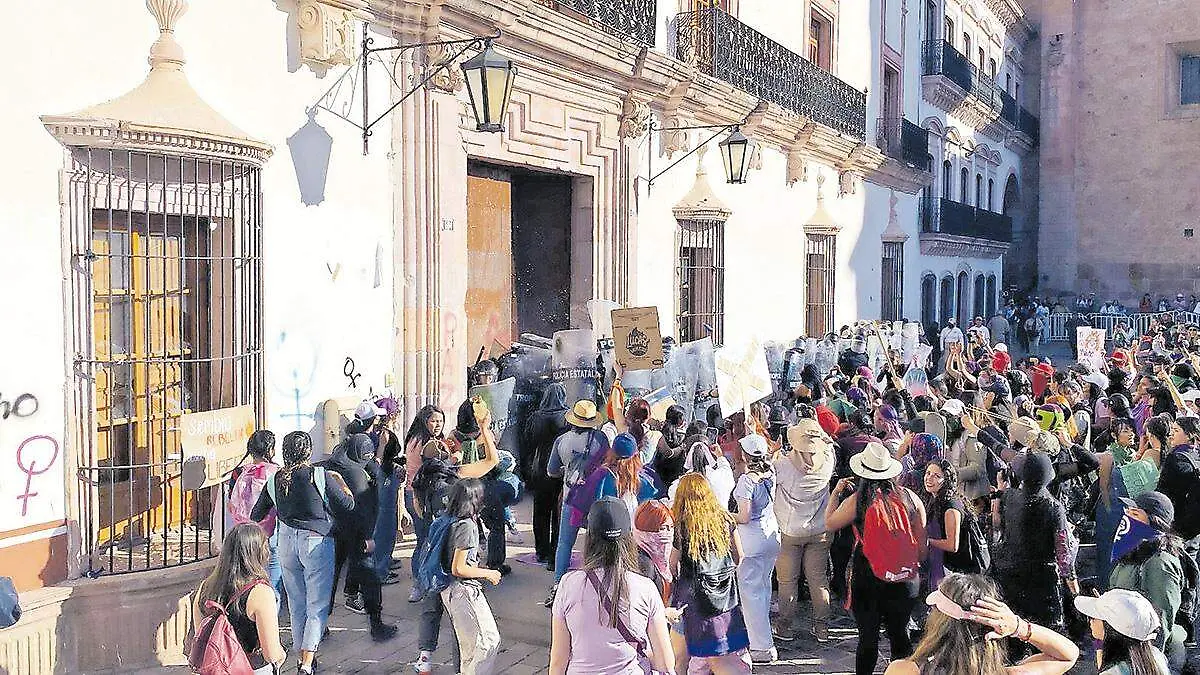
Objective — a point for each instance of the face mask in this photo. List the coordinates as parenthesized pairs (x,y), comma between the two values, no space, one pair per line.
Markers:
(1130,533)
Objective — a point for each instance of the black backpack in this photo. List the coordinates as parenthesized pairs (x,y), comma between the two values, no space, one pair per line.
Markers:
(431,485)
(973,555)
(1187,512)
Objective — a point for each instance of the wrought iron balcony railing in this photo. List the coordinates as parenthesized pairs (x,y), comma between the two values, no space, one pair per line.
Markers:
(631,19)
(728,49)
(941,58)
(904,142)
(1028,124)
(947,217)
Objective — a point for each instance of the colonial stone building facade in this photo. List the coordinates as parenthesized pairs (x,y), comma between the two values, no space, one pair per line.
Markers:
(216,241)
(1120,102)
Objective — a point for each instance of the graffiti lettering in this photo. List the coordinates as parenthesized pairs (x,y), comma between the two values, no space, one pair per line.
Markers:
(348,369)
(24,405)
(35,465)
(450,373)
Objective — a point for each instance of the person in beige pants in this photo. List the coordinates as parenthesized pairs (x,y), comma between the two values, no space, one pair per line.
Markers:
(801,495)
(470,614)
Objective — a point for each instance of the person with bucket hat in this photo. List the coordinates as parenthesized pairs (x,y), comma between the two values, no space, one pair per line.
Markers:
(888,522)
(575,454)
(1124,625)
(802,492)
(758,529)
(1151,560)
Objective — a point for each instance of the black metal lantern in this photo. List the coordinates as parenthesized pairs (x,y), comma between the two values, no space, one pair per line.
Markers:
(735,155)
(489,84)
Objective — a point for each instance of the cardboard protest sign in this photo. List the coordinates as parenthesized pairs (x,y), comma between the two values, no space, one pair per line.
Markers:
(637,338)
(742,377)
(1090,344)
(213,444)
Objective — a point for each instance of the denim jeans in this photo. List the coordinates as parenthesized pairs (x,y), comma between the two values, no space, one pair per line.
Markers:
(420,526)
(274,569)
(567,534)
(307,560)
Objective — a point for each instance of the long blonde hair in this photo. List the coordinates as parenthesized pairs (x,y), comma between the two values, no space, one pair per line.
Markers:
(958,647)
(702,521)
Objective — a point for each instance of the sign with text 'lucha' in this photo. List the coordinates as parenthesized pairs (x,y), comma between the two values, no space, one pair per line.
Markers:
(213,443)
(638,338)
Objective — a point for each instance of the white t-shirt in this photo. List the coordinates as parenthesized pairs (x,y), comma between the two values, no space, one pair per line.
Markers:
(720,479)
(597,648)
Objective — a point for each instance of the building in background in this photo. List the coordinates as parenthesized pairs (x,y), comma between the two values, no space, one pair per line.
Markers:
(217,241)
(1120,101)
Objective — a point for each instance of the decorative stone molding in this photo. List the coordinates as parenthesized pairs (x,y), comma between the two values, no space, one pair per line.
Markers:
(448,77)
(163,113)
(821,221)
(896,175)
(847,183)
(635,117)
(673,141)
(957,246)
(893,233)
(700,204)
(1009,13)
(942,92)
(327,35)
(797,167)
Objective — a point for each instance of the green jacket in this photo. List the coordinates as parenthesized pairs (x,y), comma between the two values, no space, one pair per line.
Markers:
(1161,579)
(842,408)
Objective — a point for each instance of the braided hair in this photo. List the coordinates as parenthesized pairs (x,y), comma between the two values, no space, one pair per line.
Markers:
(297,452)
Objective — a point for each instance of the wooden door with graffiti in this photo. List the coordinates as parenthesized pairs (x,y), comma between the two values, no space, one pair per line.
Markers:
(143,305)
(490,306)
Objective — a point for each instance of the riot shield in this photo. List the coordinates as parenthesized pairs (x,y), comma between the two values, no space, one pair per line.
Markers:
(500,401)
(573,364)
(701,361)
(600,312)
(774,352)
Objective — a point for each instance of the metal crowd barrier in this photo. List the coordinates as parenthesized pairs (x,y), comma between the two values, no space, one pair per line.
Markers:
(1139,322)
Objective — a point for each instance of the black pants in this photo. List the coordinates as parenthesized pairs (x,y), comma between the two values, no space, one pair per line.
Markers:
(360,576)
(547,512)
(878,603)
(839,554)
(499,495)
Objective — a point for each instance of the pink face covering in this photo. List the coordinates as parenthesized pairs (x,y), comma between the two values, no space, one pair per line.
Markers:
(946,606)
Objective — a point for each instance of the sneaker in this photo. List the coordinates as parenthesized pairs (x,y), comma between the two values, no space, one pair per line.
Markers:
(354,603)
(381,631)
(392,578)
(820,632)
(424,663)
(397,564)
(513,536)
(764,656)
(549,601)
(415,595)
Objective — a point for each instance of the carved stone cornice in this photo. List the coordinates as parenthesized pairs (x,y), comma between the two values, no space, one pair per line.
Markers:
(1010,13)
(957,246)
(1020,143)
(635,115)
(327,32)
(942,92)
(901,177)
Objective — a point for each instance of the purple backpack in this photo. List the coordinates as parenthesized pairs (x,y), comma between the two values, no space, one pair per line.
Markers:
(582,494)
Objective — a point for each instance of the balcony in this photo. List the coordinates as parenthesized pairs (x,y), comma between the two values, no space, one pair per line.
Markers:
(954,84)
(949,228)
(904,142)
(633,20)
(723,47)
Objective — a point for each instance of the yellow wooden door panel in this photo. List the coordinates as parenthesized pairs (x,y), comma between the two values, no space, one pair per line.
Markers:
(489,302)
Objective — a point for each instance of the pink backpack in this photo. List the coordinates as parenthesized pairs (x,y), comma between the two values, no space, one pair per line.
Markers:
(215,649)
(244,494)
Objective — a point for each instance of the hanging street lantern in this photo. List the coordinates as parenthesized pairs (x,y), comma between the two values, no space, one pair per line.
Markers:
(735,155)
(489,84)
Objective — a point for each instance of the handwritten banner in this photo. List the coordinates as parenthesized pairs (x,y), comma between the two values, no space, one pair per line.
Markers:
(213,443)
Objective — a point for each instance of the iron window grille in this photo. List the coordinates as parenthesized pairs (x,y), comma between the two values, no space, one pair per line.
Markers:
(700,271)
(991,296)
(929,299)
(892,267)
(980,295)
(820,267)
(946,303)
(723,47)
(166,288)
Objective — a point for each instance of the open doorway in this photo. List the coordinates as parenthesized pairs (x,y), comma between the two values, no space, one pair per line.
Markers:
(527,257)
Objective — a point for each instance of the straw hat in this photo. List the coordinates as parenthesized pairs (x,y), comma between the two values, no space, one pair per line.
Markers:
(584,415)
(875,463)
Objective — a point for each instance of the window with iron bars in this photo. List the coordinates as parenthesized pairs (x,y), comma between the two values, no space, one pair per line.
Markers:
(892,295)
(700,274)
(820,265)
(167,294)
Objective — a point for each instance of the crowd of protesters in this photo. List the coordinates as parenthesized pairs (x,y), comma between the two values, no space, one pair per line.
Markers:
(942,505)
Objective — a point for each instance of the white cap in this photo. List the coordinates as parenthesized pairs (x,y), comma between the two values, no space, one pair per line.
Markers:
(368,410)
(1001,347)
(754,445)
(1190,395)
(954,407)
(1128,612)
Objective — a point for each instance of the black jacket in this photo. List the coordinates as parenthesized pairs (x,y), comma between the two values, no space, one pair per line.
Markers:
(354,461)
(545,425)
(301,506)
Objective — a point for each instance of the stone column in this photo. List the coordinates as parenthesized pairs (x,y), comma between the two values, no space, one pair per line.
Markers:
(1058,236)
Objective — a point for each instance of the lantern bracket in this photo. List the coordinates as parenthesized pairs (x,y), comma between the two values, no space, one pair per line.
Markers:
(720,129)
(368,123)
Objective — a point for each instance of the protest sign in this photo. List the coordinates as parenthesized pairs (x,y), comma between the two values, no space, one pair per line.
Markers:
(1090,344)
(637,338)
(742,377)
(213,444)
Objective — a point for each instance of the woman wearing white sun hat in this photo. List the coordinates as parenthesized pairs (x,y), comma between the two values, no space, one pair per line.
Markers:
(890,541)
(1124,625)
